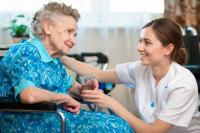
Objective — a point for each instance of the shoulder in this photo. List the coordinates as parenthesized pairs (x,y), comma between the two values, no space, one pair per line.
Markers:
(24,49)
(183,73)
(132,66)
(129,72)
(183,78)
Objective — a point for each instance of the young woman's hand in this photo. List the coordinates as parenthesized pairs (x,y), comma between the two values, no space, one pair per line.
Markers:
(97,97)
(72,105)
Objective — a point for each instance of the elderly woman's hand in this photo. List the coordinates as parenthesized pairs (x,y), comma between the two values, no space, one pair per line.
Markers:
(97,97)
(72,105)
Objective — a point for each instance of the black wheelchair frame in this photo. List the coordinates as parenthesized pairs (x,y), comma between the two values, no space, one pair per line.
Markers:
(98,59)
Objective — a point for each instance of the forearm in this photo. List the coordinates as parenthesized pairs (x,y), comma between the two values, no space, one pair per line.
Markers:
(79,67)
(137,124)
(85,69)
(33,95)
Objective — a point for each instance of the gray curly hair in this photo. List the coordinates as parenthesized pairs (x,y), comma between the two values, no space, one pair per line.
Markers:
(50,12)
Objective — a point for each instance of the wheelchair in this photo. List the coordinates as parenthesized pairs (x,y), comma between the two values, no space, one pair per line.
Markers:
(191,43)
(30,108)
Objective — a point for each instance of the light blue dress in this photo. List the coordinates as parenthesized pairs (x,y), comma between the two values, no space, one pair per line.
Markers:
(29,64)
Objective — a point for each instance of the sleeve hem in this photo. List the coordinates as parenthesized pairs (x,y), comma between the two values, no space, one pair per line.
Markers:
(121,75)
(173,122)
(69,84)
(21,86)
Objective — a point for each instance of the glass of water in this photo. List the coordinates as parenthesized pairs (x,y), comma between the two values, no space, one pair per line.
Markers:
(88,82)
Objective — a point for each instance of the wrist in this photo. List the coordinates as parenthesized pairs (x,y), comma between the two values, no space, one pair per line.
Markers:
(67,97)
(111,103)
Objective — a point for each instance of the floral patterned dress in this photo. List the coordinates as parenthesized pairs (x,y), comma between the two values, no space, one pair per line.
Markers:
(29,64)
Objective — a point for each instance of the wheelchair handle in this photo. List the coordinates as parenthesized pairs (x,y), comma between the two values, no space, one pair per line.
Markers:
(77,57)
(102,58)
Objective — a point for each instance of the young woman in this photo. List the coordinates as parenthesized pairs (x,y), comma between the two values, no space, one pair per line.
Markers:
(166,93)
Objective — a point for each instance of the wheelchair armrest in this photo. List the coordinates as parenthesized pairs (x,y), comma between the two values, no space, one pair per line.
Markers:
(38,107)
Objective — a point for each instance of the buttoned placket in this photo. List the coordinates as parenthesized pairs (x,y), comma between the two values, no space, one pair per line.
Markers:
(152,104)
(159,89)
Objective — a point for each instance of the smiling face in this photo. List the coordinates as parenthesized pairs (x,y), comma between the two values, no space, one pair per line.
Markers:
(61,34)
(151,50)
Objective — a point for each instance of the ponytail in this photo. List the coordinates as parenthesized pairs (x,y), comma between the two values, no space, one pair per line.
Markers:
(181,57)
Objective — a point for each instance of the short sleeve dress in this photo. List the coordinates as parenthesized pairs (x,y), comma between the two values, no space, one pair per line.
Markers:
(29,64)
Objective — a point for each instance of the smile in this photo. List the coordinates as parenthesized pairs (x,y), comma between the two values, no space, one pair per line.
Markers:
(143,55)
(68,46)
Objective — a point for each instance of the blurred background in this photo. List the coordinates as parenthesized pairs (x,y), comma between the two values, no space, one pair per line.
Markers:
(108,26)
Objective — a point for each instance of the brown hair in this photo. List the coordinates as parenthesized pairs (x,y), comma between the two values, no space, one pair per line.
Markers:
(168,32)
(50,12)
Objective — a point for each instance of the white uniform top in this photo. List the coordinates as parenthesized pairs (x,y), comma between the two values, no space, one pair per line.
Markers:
(174,100)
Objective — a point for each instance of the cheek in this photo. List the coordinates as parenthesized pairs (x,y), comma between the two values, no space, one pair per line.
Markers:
(55,38)
(155,53)
(60,40)
(158,55)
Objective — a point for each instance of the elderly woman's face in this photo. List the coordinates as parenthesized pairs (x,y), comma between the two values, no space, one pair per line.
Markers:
(62,34)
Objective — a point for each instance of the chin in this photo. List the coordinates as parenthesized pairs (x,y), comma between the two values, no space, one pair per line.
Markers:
(65,51)
(143,62)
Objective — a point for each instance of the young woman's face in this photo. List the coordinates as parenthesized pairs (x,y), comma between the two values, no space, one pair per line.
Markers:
(151,50)
(62,34)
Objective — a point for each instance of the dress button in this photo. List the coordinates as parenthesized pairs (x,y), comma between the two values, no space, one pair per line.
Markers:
(152,104)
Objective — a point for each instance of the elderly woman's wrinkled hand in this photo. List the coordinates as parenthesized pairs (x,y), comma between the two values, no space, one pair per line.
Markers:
(72,105)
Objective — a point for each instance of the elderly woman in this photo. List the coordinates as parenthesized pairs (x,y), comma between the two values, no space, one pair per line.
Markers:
(32,72)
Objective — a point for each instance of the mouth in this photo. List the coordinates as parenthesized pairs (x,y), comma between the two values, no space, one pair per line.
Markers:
(143,55)
(69,46)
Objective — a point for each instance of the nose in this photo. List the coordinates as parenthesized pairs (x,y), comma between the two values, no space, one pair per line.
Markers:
(73,41)
(140,47)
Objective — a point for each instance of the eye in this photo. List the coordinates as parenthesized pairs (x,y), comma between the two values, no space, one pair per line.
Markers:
(68,31)
(140,40)
(71,32)
(75,34)
(147,43)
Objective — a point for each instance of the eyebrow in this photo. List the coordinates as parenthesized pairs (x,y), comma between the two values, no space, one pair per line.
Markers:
(145,39)
(71,29)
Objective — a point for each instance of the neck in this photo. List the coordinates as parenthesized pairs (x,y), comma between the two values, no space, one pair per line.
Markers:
(49,48)
(160,70)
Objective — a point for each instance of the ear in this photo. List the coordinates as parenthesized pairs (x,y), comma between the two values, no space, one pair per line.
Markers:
(46,27)
(169,49)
